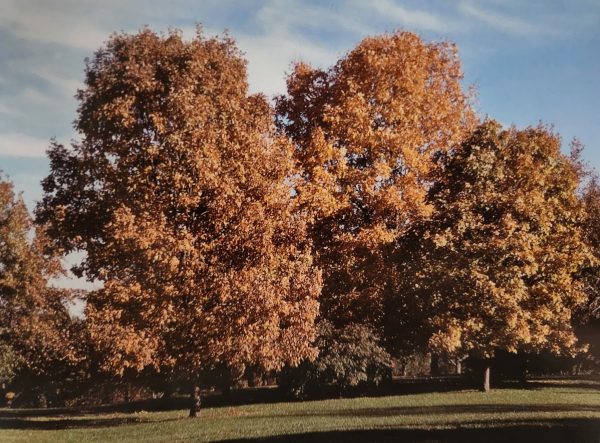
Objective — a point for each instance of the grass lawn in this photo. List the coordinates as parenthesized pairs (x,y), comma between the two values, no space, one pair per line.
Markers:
(552,411)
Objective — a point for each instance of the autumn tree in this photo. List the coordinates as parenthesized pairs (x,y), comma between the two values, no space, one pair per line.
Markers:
(587,317)
(35,327)
(591,226)
(180,193)
(365,133)
(495,266)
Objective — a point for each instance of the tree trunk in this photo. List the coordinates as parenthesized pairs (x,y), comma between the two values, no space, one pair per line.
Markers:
(226,382)
(195,401)
(486,378)
(435,364)
(402,366)
(458,366)
(523,369)
(3,399)
(251,377)
(127,393)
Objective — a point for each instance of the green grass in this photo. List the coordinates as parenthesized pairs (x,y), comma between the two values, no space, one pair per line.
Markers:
(551,412)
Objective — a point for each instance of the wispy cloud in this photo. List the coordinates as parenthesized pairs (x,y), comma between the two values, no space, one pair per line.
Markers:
(510,24)
(411,18)
(22,145)
(284,32)
(10,111)
(63,85)
(61,23)
(277,15)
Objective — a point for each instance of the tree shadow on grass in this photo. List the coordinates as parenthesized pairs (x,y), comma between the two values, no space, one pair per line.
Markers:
(469,429)
(467,409)
(592,385)
(61,418)
(558,431)
(6,413)
(57,423)
(159,404)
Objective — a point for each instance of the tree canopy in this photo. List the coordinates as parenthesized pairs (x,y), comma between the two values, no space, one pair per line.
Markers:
(495,267)
(591,231)
(180,193)
(35,327)
(366,131)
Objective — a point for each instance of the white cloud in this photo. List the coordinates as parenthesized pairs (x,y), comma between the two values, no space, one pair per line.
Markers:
(509,24)
(280,36)
(10,111)
(67,23)
(65,85)
(22,145)
(280,32)
(278,15)
(410,18)
(283,30)
(34,95)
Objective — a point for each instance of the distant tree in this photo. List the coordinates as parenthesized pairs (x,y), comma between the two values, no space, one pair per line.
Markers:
(495,267)
(366,132)
(349,356)
(9,361)
(35,327)
(181,196)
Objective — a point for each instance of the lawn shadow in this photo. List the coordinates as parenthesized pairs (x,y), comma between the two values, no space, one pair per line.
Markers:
(61,418)
(591,384)
(57,423)
(558,431)
(446,409)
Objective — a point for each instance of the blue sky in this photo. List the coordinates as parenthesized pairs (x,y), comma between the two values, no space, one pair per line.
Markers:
(530,60)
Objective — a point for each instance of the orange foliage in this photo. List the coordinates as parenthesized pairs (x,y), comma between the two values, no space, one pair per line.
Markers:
(366,132)
(180,193)
(591,229)
(34,322)
(496,266)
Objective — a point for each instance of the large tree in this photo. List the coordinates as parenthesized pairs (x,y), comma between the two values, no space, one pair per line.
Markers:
(588,315)
(495,267)
(181,195)
(366,131)
(35,327)
(591,226)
